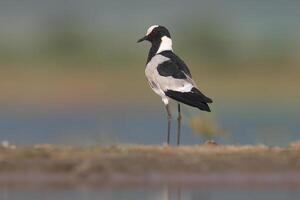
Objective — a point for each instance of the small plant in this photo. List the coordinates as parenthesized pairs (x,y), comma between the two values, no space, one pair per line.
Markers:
(206,127)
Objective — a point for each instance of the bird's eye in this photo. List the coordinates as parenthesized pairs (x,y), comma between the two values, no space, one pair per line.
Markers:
(153,33)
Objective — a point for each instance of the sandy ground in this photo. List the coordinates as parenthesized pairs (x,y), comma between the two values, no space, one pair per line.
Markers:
(123,163)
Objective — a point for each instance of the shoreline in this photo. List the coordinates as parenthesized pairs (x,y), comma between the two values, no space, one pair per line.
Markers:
(118,164)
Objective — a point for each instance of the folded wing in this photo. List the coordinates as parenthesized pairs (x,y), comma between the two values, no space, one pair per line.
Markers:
(174,78)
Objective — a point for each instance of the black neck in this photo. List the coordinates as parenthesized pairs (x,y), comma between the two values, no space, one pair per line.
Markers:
(154,48)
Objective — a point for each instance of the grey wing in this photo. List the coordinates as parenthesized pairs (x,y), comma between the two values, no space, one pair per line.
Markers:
(180,64)
(169,76)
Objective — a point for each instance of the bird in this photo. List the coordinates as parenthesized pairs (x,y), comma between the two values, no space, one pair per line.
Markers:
(169,76)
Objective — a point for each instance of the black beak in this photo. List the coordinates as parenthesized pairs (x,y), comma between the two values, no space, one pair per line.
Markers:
(142,39)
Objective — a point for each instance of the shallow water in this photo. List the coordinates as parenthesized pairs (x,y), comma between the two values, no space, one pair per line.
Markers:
(152,192)
(145,125)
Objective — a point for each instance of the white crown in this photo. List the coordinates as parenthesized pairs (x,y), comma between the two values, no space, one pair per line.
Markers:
(150,29)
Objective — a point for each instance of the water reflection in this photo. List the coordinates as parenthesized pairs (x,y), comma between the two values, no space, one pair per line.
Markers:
(150,192)
(173,193)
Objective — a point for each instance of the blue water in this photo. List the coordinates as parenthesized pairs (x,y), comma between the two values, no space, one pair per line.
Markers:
(145,125)
(153,192)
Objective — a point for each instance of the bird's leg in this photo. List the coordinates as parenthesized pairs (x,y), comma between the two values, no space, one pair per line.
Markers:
(169,122)
(178,125)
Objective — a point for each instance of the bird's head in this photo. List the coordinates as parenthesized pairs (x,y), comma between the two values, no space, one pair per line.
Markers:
(155,33)
(160,38)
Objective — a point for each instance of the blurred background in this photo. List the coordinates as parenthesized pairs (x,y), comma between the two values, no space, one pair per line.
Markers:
(72,72)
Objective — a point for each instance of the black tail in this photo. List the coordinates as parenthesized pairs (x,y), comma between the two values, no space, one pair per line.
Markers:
(193,98)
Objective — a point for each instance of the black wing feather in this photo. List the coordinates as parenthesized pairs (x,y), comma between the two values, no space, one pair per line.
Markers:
(191,98)
(181,66)
(201,95)
(168,68)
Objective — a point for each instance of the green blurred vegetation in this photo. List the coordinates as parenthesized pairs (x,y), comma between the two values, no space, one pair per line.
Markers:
(206,127)
(87,50)
(67,60)
(65,43)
